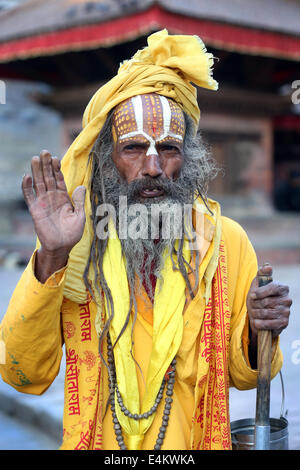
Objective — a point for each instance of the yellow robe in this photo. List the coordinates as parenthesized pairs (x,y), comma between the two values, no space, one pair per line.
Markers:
(39,320)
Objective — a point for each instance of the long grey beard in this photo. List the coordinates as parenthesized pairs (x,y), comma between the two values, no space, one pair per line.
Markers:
(145,254)
(150,236)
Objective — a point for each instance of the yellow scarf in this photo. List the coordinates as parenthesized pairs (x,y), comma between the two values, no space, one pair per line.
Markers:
(167,335)
(169,301)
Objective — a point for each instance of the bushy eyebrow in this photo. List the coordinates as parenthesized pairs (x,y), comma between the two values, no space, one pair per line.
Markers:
(140,138)
(169,140)
(136,140)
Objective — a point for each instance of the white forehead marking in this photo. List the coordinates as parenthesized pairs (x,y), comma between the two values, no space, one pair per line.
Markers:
(138,112)
(137,104)
(167,116)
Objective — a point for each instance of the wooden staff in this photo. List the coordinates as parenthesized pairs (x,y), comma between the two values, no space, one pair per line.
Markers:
(264,358)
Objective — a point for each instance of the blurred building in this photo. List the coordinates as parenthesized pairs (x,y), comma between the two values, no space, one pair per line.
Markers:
(251,124)
(8,4)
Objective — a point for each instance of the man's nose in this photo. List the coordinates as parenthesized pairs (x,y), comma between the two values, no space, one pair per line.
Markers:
(152,166)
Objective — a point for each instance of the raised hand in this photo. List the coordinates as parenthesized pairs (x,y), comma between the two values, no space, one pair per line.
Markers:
(58,221)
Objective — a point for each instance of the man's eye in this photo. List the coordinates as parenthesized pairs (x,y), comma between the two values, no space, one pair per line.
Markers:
(168,148)
(134,147)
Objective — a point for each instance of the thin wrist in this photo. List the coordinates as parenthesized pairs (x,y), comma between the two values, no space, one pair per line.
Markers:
(59,254)
(48,262)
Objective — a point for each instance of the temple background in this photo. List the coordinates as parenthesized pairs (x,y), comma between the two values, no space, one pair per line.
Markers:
(55,55)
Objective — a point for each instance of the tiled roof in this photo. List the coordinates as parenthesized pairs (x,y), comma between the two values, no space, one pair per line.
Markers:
(273,15)
(42,16)
(39,16)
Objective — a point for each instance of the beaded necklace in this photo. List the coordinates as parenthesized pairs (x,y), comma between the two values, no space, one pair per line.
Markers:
(168,382)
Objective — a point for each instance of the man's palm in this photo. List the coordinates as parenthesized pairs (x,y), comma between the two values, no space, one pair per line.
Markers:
(58,223)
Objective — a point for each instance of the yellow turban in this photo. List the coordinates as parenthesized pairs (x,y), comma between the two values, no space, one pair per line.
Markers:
(167,66)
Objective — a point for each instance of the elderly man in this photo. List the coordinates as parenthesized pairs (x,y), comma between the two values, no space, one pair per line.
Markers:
(155,327)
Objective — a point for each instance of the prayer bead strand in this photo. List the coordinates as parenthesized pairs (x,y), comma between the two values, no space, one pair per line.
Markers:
(170,381)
